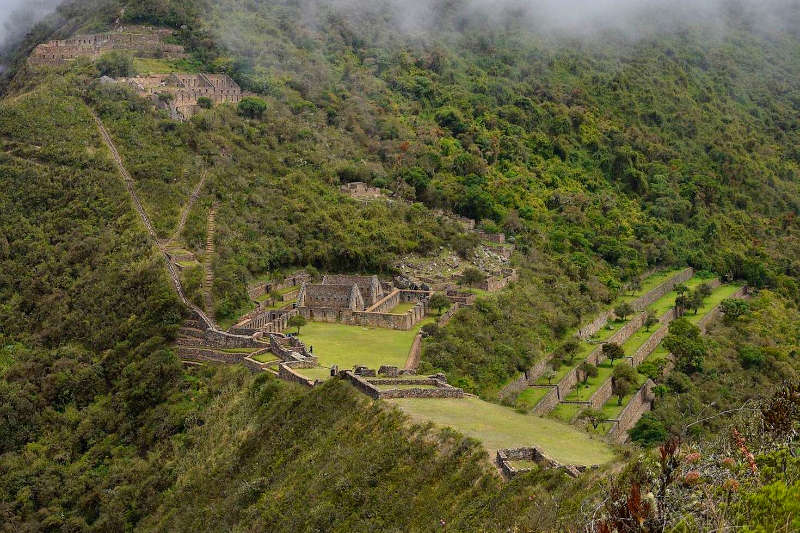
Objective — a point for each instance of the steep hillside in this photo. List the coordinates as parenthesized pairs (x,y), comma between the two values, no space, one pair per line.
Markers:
(599,159)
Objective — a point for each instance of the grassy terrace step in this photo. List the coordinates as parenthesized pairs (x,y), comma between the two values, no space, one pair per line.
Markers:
(320,372)
(500,427)
(612,409)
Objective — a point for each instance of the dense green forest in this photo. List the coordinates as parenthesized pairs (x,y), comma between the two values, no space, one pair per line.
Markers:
(600,159)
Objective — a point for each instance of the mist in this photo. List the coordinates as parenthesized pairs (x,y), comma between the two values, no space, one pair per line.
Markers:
(577,18)
(17,17)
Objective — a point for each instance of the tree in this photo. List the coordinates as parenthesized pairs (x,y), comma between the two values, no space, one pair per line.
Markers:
(473,276)
(623,381)
(686,344)
(650,320)
(660,391)
(275,296)
(569,350)
(623,311)
(695,301)
(439,301)
(549,376)
(588,370)
(648,431)
(681,288)
(297,321)
(733,308)
(251,107)
(592,416)
(681,304)
(705,290)
(116,65)
(613,351)
(429,330)
(205,102)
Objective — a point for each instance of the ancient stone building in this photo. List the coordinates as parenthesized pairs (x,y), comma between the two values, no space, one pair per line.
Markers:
(334,297)
(362,191)
(370,287)
(140,40)
(179,93)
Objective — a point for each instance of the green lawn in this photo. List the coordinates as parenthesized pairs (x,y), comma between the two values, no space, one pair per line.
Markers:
(500,427)
(403,308)
(149,65)
(347,346)
(667,302)
(566,412)
(265,358)
(528,398)
(318,372)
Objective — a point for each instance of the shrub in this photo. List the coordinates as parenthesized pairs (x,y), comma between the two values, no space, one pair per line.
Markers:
(205,102)
(251,107)
(115,65)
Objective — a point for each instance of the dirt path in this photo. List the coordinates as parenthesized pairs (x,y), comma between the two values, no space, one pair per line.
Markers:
(129,185)
(188,207)
(208,279)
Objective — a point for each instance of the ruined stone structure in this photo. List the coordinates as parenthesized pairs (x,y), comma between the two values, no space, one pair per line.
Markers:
(361,191)
(360,300)
(499,282)
(430,387)
(140,40)
(179,93)
(497,238)
(463,298)
(506,457)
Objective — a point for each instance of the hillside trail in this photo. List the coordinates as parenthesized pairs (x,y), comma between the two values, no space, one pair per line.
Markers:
(208,279)
(188,207)
(129,185)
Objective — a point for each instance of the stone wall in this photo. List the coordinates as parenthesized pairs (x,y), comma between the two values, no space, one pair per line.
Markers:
(640,403)
(506,456)
(404,321)
(196,353)
(651,344)
(368,387)
(717,311)
(602,395)
(448,315)
(286,373)
(461,297)
(221,339)
(497,283)
(548,402)
(415,353)
(497,238)
(387,303)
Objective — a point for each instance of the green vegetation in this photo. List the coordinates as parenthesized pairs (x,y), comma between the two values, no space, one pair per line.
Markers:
(403,308)
(347,346)
(319,372)
(498,427)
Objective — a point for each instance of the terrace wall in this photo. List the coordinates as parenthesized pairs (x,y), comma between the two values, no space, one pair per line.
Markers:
(641,402)
(504,458)
(415,353)
(222,339)
(387,303)
(367,386)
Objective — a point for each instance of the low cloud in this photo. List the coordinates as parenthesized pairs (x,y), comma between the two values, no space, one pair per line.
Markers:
(17,17)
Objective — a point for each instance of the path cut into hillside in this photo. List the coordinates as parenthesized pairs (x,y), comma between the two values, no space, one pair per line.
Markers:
(208,278)
(188,207)
(129,185)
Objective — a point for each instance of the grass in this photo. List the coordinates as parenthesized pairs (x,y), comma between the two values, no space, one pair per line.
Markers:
(528,398)
(500,427)
(149,65)
(265,358)
(667,302)
(403,308)
(648,284)
(347,346)
(566,412)
(318,372)
(524,464)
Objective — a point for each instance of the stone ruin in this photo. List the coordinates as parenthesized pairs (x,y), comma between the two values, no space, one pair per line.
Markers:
(180,93)
(360,300)
(141,40)
(361,191)
(506,458)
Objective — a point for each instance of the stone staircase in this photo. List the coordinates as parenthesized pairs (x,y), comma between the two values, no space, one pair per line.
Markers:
(208,279)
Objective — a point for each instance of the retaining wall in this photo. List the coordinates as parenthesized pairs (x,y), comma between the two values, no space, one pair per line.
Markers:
(548,402)
(639,405)
(415,353)
(442,390)
(221,339)
(504,458)
(448,315)
(287,373)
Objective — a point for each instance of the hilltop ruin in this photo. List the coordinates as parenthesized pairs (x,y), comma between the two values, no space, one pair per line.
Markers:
(180,93)
(144,41)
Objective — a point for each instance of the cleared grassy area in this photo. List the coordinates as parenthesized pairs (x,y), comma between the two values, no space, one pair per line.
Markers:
(524,464)
(648,284)
(265,358)
(667,302)
(347,346)
(149,65)
(318,372)
(566,412)
(403,308)
(528,398)
(500,427)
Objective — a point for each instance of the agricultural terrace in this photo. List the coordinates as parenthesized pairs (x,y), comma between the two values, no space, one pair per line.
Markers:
(500,427)
(612,407)
(582,392)
(347,346)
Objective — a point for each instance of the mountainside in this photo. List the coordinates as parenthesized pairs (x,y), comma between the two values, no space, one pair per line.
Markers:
(600,158)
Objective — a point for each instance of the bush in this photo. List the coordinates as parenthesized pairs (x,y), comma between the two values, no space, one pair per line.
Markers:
(205,102)
(648,431)
(251,107)
(116,65)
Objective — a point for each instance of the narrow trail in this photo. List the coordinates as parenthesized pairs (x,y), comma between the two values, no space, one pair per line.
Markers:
(188,207)
(208,279)
(129,185)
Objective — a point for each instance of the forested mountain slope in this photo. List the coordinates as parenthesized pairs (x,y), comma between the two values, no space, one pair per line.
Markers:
(600,158)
